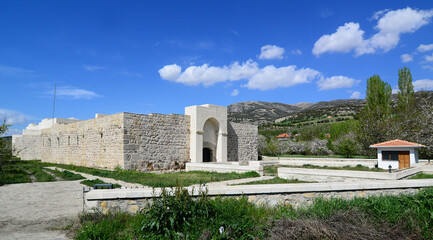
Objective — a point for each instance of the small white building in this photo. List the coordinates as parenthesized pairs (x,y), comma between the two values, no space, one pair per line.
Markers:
(396,153)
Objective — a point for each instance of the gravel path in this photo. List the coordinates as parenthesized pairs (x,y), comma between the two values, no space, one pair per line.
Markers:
(31,210)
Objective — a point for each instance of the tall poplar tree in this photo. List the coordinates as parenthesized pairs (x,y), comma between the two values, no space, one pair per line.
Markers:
(375,116)
(406,94)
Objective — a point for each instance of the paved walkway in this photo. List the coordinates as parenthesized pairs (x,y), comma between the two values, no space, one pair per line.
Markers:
(235,182)
(30,210)
(33,210)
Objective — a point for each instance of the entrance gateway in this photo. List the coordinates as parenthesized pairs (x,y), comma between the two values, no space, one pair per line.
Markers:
(208,133)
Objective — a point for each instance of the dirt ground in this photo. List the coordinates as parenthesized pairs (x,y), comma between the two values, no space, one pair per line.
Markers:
(39,210)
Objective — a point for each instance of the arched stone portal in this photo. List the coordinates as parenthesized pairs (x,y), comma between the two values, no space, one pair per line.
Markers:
(210,139)
(208,130)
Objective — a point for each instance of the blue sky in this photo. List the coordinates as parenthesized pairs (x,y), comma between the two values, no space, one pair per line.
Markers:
(160,56)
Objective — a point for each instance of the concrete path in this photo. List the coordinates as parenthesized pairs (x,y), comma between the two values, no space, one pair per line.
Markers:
(234,182)
(32,210)
(107,180)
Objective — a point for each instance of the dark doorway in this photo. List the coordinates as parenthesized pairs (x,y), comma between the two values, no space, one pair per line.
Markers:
(207,155)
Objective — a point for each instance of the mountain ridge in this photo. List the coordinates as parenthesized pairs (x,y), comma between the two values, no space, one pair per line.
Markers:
(264,113)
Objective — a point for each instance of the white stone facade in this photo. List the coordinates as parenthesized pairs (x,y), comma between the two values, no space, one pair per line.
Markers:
(384,164)
(142,142)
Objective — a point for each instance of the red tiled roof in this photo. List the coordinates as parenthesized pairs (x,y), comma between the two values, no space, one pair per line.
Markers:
(284,135)
(397,143)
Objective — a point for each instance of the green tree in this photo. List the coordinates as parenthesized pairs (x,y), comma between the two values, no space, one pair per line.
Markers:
(347,148)
(404,124)
(406,94)
(378,98)
(5,145)
(375,116)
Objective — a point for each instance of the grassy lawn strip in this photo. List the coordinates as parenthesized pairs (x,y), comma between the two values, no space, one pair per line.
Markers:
(272,170)
(275,180)
(148,179)
(11,174)
(182,217)
(65,175)
(40,175)
(158,179)
(422,176)
(90,183)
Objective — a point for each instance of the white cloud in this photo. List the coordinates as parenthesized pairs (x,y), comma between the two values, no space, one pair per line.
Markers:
(74,93)
(13,131)
(429,58)
(425,47)
(427,67)
(271,77)
(336,82)
(345,39)
(266,78)
(355,95)
(235,92)
(209,75)
(390,26)
(406,58)
(13,117)
(378,14)
(170,72)
(423,84)
(271,52)
(93,68)
(12,71)
(296,52)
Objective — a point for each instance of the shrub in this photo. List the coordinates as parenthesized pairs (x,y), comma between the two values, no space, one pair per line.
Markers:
(346,148)
(179,215)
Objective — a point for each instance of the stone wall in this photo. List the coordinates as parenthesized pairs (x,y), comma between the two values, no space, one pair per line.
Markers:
(93,143)
(242,142)
(156,141)
(27,147)
(288,199)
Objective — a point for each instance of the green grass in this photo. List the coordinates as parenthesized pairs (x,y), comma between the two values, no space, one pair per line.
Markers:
(182,217)
(159,180)
(272,170)
(422,176)
(90,183)
(66,175)
(275,180)
(150,179)
(11,174)
(39,174)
